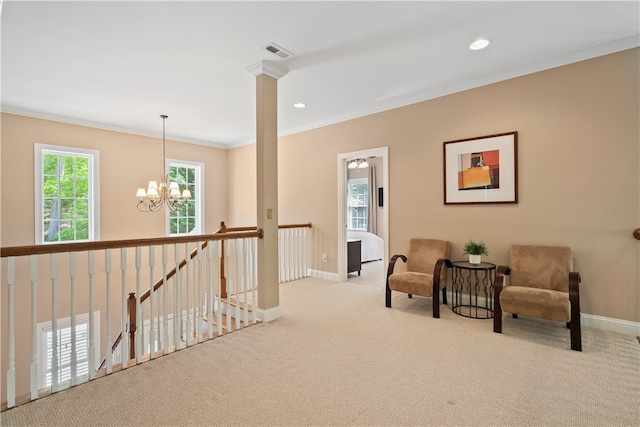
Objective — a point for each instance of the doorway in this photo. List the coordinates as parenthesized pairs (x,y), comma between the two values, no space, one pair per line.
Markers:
(381,153)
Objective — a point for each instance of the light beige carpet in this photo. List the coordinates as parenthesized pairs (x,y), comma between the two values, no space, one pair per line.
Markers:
(338,357)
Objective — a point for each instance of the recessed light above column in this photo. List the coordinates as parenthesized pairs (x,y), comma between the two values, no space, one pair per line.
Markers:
(479,44)
(299,105)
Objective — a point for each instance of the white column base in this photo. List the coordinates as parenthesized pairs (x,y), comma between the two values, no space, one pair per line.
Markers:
(269,314)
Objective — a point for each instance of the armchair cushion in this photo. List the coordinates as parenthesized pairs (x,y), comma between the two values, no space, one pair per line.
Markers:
(411,282)
(535,302)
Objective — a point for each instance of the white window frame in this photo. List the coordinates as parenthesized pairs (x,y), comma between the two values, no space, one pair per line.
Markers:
(45,327)
(94,188)
(198,196)
(350,182)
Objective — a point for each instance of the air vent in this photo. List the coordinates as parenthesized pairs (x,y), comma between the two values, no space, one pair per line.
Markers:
(278,51)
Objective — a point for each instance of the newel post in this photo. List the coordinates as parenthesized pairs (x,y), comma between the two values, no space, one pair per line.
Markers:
(131,324)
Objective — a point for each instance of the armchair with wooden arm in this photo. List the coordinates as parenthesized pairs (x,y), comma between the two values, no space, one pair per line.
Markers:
(426,272)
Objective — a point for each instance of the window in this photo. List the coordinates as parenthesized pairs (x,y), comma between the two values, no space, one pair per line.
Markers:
(66,192)
(188,175)
(63,348)
(357,203)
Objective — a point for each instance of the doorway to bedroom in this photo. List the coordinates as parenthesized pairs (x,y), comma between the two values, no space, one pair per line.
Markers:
(363,215)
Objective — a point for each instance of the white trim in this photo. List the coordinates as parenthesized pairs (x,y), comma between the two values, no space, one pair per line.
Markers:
(200,194)
(94,184)
(592,321)
(342,204)
(264,67)
(74,121)
(269,314)
(449,89)
(624,327)
(324,275)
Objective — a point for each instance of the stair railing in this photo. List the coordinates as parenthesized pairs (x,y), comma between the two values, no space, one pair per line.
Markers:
(78,279)
(292,255)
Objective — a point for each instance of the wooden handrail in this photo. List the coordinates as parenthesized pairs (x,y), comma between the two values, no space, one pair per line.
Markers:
(113,348)
(305,225)
(636,233)
(222,233)
(126,243)
(228,233)
(171,273)
(281,226)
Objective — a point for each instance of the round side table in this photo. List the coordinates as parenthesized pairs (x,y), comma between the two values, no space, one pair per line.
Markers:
(472,289)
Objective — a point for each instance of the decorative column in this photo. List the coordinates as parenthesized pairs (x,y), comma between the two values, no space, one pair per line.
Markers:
(267,76)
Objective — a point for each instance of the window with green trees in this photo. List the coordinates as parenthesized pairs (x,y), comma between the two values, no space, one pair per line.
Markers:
(189,219)
(358,204)
(66,183)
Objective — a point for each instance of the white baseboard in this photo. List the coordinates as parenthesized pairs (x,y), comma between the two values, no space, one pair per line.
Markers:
(624,327)
(269,314)
(324,275)
(608,324)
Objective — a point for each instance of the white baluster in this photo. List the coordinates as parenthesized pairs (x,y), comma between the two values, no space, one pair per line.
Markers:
(92,338)
(177,303)
(290,248)
(236,284)
(11,342)
(305,243)
(297,253)
(159,319)
(73,273)
(107,270)
(34,327)
(188,302)
(54,323)
(152,328)
(210,309)
(124,340)
(219,306)
(254,251)
(165,302)
(230,280)
(196,321)
(280,257)
(245,279)
(138,341)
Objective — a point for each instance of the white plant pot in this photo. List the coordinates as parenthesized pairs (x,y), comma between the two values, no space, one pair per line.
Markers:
(475,259)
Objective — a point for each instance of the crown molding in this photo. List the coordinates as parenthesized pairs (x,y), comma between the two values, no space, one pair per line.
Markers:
(76,122)
(264,67)
(444,90)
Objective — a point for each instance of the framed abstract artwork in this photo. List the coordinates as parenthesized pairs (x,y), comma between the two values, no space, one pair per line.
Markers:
(481,170)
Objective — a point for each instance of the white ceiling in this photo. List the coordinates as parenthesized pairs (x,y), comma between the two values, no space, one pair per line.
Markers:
(119,65)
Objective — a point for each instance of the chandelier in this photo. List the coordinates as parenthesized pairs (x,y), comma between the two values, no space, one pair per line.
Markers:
(358,164)
(156,195)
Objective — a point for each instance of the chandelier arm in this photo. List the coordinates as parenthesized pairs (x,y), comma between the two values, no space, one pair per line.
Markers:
(162,194)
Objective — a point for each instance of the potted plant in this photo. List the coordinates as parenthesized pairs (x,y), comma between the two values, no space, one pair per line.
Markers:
(475,250)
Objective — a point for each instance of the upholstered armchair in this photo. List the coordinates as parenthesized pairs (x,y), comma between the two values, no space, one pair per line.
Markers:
(542,285)
(426,272)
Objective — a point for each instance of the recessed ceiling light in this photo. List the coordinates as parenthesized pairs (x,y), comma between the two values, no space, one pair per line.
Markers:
(479,44)
(300,105)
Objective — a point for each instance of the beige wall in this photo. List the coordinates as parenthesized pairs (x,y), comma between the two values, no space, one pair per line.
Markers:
(126,163)
(578,152)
